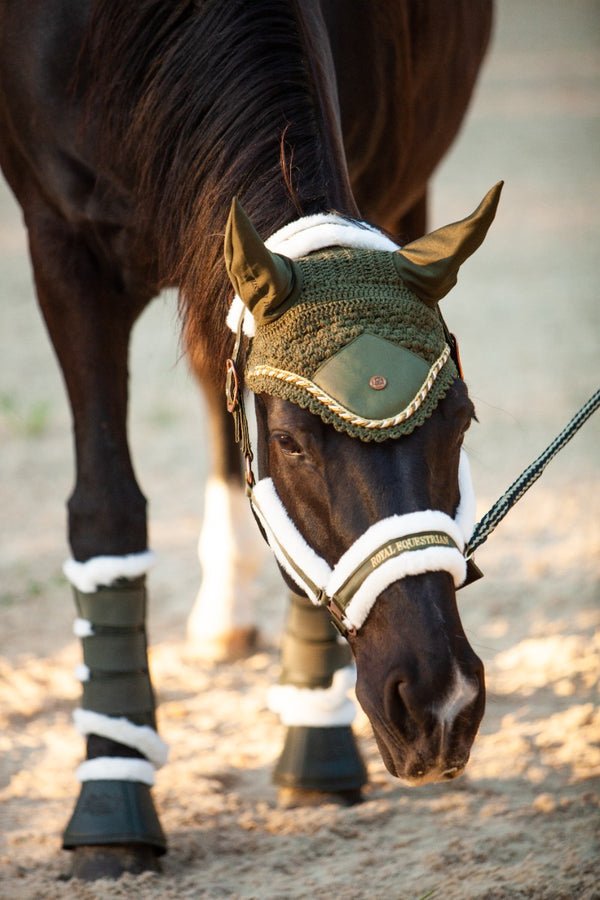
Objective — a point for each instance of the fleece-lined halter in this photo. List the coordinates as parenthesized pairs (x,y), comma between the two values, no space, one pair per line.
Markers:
(389,550)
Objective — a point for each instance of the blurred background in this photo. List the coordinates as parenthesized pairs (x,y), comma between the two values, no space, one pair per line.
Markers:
(527,316)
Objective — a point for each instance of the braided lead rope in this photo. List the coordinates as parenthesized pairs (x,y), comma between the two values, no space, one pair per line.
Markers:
(504,504)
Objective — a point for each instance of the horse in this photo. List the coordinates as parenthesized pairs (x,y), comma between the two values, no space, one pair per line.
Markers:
(126,132)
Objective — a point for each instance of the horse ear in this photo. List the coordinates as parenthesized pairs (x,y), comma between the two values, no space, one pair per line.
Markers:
(429,266)
(267,283)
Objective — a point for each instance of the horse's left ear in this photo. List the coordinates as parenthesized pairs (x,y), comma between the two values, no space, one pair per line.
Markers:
(266,282)
(429,266)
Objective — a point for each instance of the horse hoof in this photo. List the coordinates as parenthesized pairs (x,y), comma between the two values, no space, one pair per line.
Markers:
(292,798)
(229,646)
(107,861)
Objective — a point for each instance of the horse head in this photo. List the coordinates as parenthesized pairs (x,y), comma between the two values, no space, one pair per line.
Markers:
(363,488)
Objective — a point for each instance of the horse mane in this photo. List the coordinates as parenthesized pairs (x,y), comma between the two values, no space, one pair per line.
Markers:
(205,100)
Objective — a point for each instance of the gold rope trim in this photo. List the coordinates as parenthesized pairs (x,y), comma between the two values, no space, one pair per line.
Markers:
(346,414)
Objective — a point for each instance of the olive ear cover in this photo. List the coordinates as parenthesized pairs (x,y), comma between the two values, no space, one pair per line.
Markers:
(429,266)
(267,283)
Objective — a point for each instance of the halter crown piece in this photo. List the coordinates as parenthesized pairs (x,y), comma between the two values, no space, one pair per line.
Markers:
(346,324)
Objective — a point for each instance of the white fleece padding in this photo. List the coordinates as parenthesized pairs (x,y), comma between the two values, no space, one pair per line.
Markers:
(414,562)
(465,516)
(102,571)
(312,233)
(83,628)
(393,527)
(305,236)
(417,562)
(82,672)
(282,532)
(140,737)
(116,768)
(316,707)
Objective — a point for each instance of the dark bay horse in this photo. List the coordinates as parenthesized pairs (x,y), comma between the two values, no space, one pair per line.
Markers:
(125,132)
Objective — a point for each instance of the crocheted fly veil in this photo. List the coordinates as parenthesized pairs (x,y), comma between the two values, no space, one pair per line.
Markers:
(350,328)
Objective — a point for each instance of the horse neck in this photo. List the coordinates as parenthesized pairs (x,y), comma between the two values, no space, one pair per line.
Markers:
(319,59)
(199,103)
(310,175)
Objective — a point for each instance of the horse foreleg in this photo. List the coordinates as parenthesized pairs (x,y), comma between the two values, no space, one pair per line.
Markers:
(222,624)
(114,827)
(320,761)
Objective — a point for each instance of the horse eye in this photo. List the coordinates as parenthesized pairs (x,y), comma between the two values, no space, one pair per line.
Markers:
(287,444)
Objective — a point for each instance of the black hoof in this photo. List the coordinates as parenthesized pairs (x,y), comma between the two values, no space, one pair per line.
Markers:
(106,861)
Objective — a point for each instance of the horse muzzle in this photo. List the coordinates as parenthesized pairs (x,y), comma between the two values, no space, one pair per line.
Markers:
(425,693)
(424,744)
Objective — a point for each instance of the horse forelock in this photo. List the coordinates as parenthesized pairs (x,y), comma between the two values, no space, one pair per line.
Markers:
(206,101)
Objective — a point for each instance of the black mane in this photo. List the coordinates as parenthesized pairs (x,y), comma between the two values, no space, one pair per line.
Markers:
(206,100)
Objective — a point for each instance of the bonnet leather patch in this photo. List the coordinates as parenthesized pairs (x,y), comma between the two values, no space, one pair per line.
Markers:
(372,377)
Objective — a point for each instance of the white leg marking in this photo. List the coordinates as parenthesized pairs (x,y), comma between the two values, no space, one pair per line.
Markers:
(232,553)
(105,570)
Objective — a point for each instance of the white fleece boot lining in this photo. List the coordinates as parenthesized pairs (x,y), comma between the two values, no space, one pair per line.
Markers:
(116,768)
(102,571)
(87,577)
(316,707)
(140,737)
(82,628)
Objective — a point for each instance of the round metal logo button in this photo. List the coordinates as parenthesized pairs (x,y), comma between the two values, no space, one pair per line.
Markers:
(377,382)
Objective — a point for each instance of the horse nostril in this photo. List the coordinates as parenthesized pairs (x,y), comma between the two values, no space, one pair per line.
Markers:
(395,706)
(410,711)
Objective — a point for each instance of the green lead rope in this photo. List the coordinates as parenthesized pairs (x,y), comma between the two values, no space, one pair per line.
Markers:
(505,503)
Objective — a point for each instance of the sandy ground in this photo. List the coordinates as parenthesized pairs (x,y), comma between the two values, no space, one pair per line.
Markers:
(523,822)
